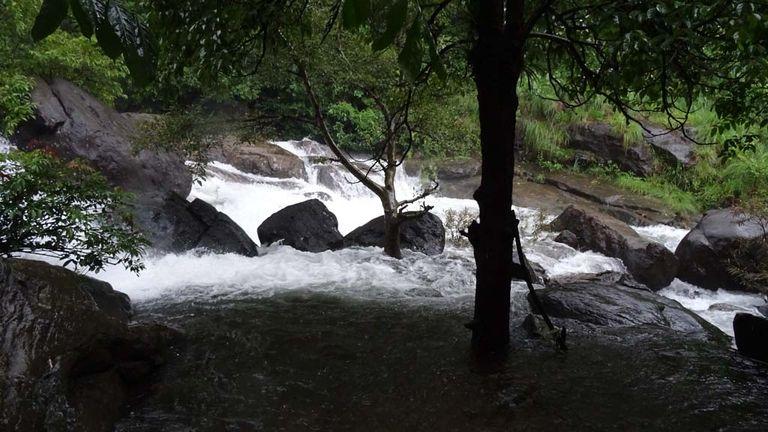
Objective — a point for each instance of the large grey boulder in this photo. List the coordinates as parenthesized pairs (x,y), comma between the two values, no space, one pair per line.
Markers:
(307,226)
(672,146)
(649,262)
(425,234)
(615,300)
(68,353)
(607,145)
(72,124)
(261,158)
(712,246)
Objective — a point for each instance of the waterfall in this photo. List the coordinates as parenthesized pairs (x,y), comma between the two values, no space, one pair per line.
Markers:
(363,272)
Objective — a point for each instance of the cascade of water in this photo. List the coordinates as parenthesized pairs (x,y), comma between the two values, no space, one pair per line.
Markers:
(361,272)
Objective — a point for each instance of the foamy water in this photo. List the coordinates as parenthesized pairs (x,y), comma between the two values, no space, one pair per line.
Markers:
(364,272)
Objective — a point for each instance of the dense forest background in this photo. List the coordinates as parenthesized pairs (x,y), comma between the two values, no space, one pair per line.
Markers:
(732,161)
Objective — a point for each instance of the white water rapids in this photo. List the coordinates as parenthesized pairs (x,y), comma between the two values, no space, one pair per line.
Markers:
(365,272)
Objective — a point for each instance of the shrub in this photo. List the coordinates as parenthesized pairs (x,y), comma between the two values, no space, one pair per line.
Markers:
(66,211)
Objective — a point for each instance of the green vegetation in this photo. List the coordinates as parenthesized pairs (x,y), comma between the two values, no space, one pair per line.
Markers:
(66,211)
(65,54)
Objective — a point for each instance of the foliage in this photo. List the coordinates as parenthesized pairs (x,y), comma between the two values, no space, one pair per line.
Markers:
(457,221)
(63,54)
(118,31)
(190,133)
(66,211)
(748,263)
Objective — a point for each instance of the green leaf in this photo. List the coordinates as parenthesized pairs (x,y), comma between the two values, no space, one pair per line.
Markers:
(412,52)
(396,18)
(51,14)
(354,13)
(133,40)
(90,15)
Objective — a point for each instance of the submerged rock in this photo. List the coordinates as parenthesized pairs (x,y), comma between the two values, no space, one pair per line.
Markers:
(608,146)
(306,226)
(425,234)
(198,224)
(649,262)
(615,300)
(711,247)
(69,358)
(751,334)
(72,124)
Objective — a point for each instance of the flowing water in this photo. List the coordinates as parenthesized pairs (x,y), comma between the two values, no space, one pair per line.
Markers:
(354,340)
(364,272)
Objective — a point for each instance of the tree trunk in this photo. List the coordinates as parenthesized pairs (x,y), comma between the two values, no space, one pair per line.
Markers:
(392,235)
(497,64)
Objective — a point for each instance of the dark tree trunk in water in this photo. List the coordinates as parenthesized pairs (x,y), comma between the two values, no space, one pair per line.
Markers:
(392,235)
(497,64)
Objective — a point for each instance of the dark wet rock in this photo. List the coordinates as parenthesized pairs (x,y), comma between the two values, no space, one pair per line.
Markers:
(614,300)
(672,146)
(568,238)
(461,168)
(608,146)
(261,158)
(763,310)
(751,334)
(198,224)
(707,251)
(306,226)
(649,262)
(425,234)
(66,348)
(72,124)
(537,272)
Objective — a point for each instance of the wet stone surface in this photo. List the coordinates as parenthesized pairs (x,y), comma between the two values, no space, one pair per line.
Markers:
(308,361)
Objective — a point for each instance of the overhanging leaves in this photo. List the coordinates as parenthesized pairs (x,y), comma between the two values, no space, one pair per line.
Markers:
(355,12)
(52,13)
(396,18)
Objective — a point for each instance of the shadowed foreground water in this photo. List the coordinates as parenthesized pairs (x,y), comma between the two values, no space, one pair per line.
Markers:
(313,362)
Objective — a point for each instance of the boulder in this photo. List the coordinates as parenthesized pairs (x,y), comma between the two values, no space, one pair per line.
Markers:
(68,355)
(425,234)
(707,252)
(568,238)
(615,300)
(72,124)
(607,145)
(649,262)
(460,168)
(198,224)
(261,158)
(751,333)
(672,146)
(763,309)
(307,226)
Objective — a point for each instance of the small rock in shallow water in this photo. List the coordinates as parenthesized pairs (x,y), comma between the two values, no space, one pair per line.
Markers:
(725,307)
